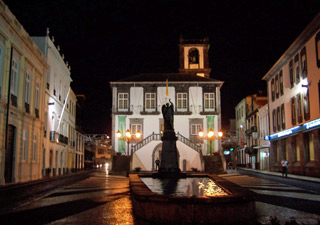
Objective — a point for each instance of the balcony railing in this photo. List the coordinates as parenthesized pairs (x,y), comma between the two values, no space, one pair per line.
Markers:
(14,100)
(63,139)
(37,112)
(27,106)
(52,135)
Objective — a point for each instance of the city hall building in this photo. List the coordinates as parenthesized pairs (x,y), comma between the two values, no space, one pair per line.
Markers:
(294,104)
(137,103)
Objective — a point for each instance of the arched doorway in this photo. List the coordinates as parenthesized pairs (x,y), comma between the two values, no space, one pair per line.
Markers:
(9,158)
(156,154)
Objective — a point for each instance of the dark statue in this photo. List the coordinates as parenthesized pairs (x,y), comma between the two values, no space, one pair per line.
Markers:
(169,164)
(167,112)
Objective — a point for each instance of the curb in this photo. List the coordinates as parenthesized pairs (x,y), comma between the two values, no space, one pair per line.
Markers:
(293,176)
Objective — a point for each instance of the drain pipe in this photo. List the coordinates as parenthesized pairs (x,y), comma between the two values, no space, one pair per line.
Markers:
(7,119)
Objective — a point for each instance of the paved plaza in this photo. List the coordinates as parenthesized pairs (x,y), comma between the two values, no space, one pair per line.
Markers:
(105,199)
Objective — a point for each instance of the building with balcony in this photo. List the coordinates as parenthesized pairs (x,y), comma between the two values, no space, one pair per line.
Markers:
(253,104)
(137,103)
(22,79)
(242,157)
(71,109)
(60,106)
(80,138)
(294,104)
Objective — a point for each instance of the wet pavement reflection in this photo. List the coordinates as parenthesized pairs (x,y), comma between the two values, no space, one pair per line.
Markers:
(100,199)
(105,199)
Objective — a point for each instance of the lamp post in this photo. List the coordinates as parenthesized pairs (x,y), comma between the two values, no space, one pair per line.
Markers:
(128,136)
(210,137)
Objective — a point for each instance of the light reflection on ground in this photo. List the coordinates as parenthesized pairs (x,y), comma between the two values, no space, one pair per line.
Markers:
(191,186)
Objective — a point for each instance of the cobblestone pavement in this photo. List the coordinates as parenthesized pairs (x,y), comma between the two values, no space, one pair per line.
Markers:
(280,200)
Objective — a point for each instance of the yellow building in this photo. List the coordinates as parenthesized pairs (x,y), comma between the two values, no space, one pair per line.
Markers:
(22,71)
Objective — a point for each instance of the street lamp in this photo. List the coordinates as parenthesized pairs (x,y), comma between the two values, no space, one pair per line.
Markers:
(128,137)
(210,137)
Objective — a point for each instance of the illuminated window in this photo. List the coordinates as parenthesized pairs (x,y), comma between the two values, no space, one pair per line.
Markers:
(37,95)
(150,101)
(209,104)
(272,90)
(293,111)
(27,88)
(135,128)
(195,128)
(14,77)
(24,156)
(306,106)
(297,68)
(182,102)
(297,147)
(193,56)
(34,148)
(291,77)
(303,56)
(281,82)
(123,101)
(311,147)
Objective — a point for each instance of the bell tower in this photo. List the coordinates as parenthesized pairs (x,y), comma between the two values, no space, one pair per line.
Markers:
(194,57)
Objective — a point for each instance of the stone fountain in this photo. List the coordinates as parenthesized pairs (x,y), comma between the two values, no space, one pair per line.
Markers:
(235,206)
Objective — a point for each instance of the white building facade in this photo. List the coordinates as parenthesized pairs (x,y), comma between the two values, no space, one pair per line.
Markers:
(59,109)
(294,106)
(22,77)
(263,147)
(137,103)
(241,126)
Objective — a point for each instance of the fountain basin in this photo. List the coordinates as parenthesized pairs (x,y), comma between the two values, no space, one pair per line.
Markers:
(238,206)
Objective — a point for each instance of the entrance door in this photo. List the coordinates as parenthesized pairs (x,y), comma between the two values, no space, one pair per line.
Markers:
(8,172)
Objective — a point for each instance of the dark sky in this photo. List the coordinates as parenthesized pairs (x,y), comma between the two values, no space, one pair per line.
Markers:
(106,40)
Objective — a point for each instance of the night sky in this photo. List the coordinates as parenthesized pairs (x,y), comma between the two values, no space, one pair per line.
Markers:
(106,40)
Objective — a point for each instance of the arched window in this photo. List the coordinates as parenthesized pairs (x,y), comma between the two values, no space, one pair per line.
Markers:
(193,56)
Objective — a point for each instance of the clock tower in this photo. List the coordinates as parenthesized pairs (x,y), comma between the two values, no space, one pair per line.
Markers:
(194,57)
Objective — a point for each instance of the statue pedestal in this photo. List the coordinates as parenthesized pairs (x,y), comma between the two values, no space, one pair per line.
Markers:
(169,154)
